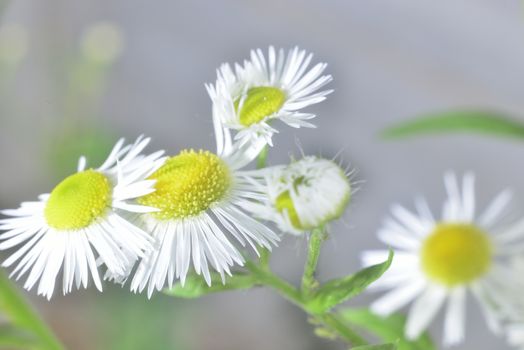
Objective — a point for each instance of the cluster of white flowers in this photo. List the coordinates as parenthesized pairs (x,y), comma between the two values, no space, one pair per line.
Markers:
(149,218)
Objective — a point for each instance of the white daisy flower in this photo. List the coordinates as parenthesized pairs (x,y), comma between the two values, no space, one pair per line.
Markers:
(303,195)
(261,90)
(80,222)
(442,261)
(201,196)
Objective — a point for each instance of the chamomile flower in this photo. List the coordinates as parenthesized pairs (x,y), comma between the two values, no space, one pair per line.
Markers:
(201,198)
(441,261)
(81,222)
(303,195)
(250,97)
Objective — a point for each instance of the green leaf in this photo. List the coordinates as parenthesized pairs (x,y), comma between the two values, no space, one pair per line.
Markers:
(388,346)
(22,315)
(389,329)
(339,290)
(16,338)
(480,122)
(196,286)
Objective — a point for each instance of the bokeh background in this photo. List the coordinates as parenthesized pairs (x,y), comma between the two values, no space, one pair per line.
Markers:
(76,75)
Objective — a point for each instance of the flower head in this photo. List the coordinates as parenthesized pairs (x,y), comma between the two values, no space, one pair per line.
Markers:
(201,197)
(441,261)
(303,195)
(250,97)
(81,223)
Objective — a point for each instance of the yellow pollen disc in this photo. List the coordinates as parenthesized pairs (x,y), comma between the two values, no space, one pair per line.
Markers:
(188,184)
(259,103)
(456,254)
(285,203)
(78,200)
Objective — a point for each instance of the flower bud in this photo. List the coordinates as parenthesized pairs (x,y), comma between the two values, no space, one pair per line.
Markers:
(307,194)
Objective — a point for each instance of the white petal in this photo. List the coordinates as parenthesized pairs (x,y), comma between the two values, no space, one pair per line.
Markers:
(398,297)
(455,317)
(423,311)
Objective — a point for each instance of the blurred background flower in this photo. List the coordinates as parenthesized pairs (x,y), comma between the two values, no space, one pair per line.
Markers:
(74,76)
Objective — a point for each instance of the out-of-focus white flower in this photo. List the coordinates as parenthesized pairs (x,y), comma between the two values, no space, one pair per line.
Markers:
(249,98)
(81,223)
(441,261)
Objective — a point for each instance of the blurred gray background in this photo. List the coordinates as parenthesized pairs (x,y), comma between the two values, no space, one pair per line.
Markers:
(391,61)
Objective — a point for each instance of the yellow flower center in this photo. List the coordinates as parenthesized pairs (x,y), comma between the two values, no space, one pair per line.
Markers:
(188,184)
(78,200)
(456,254)
(259,103)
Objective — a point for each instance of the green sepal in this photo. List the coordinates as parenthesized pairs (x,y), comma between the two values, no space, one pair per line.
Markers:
(389,328)
(388,346)
(480,122)
(196,286)
(342,289)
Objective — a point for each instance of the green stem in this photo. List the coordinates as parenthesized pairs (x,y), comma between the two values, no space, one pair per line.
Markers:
(298,297)
(292,294)
(309,282)
(344,332)
(267,278)
(263,261)
(21,314)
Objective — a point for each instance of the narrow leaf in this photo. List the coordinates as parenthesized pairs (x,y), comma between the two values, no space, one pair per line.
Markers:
(389,329)
(339,290)
(480,122)
(21,314)
(388,346)
(196,286)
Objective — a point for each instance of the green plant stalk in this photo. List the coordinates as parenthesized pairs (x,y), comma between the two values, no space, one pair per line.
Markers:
(263,260)
(292,294)
(21,314)
(267,278)
(316,239)
(334,322)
